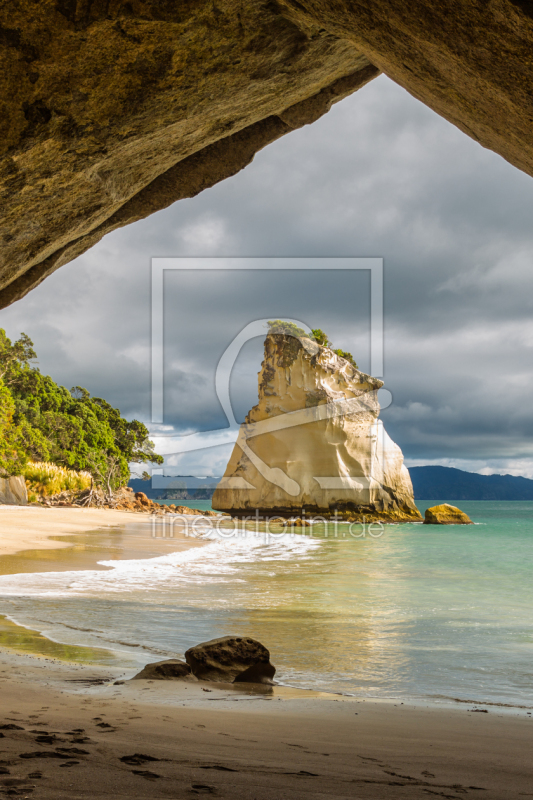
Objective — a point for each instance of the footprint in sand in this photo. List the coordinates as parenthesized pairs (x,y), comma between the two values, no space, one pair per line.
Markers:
(202,787)
(220,768)
(45,739)
(144,773)
(138,758)
(42,754)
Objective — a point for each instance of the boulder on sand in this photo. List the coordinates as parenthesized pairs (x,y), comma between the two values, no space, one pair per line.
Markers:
(231,659)
(170,670)
(446,514)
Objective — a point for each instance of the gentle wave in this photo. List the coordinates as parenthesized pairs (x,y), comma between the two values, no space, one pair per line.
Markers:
(215,562)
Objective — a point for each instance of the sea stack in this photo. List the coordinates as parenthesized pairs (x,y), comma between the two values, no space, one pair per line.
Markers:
(314,445)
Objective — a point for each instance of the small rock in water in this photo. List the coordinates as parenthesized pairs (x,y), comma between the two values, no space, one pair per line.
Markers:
(446,514)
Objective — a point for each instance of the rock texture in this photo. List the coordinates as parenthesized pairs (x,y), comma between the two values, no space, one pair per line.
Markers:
(231,659)
(111,111)
(13,491)
(313,444)
(170,670)
(446,514)
(470,61)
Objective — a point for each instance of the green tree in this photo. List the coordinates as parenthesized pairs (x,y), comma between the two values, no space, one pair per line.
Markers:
(13,456)
(69,428)
(15,357)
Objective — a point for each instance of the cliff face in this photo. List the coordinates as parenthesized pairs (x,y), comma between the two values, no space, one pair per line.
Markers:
(113,110)
(13,491)
(314,442)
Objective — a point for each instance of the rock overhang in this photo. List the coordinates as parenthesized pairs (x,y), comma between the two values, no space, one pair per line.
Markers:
(112,111)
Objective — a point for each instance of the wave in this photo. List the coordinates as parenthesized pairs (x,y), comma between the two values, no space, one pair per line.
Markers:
(217,561)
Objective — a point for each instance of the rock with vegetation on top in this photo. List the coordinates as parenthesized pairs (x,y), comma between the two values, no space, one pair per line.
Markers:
(170,670)
(231,659)
(446,514)
(314,444)
(13,491)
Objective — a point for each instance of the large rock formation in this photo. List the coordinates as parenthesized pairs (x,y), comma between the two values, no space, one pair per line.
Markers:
(314,443)
(113,110)
(13,491)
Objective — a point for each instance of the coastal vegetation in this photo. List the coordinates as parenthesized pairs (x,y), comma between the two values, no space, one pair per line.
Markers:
(291,329)
(44,479)
(44,425)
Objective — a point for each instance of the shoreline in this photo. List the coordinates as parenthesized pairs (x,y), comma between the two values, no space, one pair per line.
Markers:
(161,739)
(67,550)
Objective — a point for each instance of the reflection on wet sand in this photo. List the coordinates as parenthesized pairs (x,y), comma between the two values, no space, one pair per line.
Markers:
(87,549)
(332,620)
(84,552)
(24,640)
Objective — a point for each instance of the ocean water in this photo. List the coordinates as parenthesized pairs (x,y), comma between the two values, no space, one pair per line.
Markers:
(418,612)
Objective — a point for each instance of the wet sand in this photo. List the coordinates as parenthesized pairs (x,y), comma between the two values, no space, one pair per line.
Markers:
(25,528)
(78,734)
(78,738)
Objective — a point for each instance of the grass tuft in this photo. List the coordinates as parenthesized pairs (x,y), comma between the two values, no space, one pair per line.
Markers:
(46,479)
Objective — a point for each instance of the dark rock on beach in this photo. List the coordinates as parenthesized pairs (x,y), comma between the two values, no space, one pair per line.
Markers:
(231,659)
(170,670)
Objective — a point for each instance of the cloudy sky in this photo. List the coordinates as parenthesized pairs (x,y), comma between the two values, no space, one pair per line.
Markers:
(380,175)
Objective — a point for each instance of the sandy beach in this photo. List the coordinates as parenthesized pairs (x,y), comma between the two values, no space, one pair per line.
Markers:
(77,739)
(70,731)
(28,527)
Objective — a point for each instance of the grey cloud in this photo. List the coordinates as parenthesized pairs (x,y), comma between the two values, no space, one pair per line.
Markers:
(380,175)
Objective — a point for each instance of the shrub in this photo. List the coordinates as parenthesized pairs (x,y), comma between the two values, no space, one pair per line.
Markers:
(321,338)
(285,328)
(347,356)
(43,478)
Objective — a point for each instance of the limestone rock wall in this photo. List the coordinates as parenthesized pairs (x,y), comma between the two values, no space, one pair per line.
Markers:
(113,110)
(468,60)
(314,442)
(13,491)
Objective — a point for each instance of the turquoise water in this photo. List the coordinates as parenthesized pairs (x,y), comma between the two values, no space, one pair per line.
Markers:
(200,505)
(418,612)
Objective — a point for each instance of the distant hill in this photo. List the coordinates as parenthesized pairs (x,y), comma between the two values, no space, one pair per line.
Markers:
(447,483)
